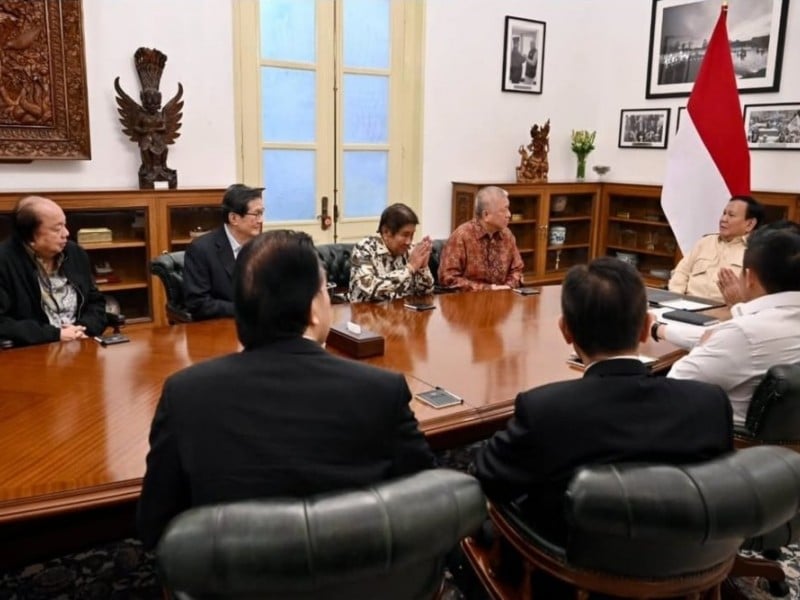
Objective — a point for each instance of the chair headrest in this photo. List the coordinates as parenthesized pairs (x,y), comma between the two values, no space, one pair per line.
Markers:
(336,259)
(285,545)
(170,262)
(742,494)
(774,411)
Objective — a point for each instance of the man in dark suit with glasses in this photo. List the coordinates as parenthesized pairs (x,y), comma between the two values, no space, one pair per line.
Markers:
(209,260)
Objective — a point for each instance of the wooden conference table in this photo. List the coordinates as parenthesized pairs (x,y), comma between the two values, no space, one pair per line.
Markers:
(75,417)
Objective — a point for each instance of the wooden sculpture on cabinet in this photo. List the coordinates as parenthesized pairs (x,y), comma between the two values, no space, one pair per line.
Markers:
(533,166)
(150,126)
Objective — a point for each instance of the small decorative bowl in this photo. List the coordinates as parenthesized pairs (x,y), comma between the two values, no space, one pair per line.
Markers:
(601,169)
(559,204)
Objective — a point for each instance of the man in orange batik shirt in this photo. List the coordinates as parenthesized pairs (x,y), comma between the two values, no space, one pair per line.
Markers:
(482,254)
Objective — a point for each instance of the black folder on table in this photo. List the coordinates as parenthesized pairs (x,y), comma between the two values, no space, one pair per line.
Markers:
(693,318)
(655,297)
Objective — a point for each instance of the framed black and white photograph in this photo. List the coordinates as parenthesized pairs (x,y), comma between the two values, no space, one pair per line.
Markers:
(680,31)
(773,126)
(523,55)
(643,128)
(681,111)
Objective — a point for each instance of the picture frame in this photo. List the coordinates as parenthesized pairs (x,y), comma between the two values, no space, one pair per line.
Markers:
(681,111)
(523,55)
(680,29)
(45,71)
(644,128)
(772,126)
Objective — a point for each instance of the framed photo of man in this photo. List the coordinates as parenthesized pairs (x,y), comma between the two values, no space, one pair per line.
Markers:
(523,55)
(772,126)
(680,31)
(643,128)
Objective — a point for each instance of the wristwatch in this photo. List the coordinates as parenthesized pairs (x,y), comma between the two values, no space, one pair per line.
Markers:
(654,331)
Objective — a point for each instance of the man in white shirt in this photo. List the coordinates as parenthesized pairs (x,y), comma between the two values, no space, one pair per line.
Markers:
(763,331)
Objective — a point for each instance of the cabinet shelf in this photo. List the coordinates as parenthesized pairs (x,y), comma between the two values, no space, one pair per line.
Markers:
(641,250)
(526,250)
(566,246)
(639,221)
(113,244)
(567,219)
(121,285)
(522,222)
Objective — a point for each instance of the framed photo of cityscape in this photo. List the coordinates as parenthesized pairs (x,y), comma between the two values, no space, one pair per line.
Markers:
(643,128)
(680,31)
(773,126)
(523,56)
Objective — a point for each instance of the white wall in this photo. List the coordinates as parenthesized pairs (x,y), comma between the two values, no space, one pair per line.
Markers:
(595,65)
(196,36)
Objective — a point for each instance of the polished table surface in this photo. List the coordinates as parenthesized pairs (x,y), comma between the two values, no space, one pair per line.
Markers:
(75,417)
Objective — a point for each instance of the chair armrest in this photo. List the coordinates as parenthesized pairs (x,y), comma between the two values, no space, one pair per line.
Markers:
(115,321)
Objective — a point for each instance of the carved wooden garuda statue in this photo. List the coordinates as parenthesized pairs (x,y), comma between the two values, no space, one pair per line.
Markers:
(148,125)
(534,165)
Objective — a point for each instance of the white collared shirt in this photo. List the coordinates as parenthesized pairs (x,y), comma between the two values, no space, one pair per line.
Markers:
(761,333)
(235,246)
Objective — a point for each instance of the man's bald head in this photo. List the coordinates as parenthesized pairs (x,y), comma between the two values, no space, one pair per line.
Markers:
(29,213)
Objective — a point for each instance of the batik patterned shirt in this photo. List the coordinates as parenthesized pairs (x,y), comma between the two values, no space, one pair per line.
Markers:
(375,274)
(474,259)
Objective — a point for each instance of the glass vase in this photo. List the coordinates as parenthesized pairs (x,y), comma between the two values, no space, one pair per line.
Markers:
(580,175)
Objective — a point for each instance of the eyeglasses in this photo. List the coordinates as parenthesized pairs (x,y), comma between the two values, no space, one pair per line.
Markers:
(258,214)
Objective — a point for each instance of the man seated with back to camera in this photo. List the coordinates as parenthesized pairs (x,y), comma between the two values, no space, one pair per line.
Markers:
(617,412)
(209,260)
(763,330)
(283,417)
(698,273)
(47,292)
(386,266)
(482,254)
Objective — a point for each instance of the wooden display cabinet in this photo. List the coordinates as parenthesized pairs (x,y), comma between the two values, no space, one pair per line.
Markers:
(601,219)
(535,210)
(634,227)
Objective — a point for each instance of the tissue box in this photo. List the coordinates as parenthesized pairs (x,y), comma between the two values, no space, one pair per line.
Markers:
(94,235)
(362,345)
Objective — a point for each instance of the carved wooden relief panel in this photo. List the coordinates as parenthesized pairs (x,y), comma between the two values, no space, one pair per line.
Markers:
(43,100)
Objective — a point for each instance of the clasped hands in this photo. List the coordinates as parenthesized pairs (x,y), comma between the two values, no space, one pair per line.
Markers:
(73,332)
(730,286)
(420,254)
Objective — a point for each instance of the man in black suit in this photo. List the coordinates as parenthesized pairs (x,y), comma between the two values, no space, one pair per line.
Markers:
(283,417)
(617,412)
(209,260)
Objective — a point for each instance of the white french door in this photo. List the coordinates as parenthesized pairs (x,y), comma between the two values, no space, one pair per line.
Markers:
(329,97)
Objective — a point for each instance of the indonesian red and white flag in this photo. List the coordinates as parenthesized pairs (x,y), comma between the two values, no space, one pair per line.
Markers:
(709,160)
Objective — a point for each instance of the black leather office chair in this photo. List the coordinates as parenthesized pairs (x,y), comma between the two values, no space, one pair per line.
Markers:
(436,258)
(336,259)
(773,418)
(169,269)
(650,531)
(386,542)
